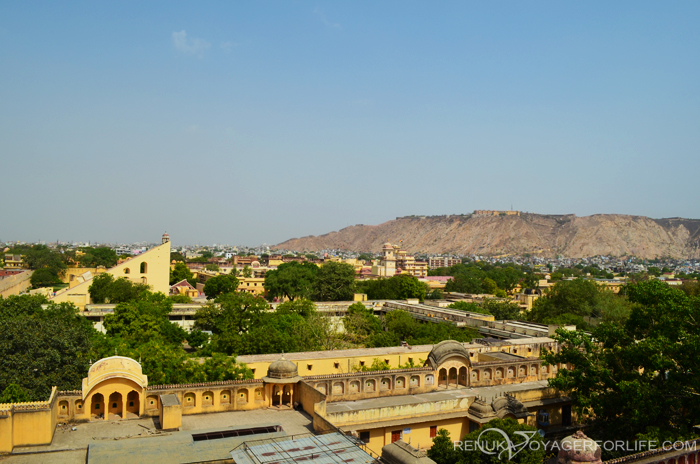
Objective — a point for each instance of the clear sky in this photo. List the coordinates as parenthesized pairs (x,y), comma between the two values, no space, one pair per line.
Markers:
(255,122)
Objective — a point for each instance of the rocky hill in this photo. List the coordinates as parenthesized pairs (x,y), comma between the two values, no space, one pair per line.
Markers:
(543,235)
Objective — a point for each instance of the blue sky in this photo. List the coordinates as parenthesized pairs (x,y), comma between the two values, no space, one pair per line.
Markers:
(254,122)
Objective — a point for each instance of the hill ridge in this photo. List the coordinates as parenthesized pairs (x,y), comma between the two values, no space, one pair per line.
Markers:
(547,235)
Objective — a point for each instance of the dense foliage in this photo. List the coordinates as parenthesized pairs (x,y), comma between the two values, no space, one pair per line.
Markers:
(331,282)
(399,287)
(362,327)
(241,324)
(578,302)
(181,272)
(40,348)
(638,380)
(219,285)
(106,289)
(527,445)
(480,277)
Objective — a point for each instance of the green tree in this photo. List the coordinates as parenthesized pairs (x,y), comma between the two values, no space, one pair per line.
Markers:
(360,323)
(181,272)
(43,257)
(212,267)
(640,379)
(493,441)
(197,338)
(443,450)
(570,301)
(144,319)
(41,348)
(247,272)
(220,285)
(176,256)
(44,278)
(230,319)
(180,298)
(101,256)
(105,288)
(334,282)
(14,394)
(291,280)
(502,310)
(489,286)
(302,307)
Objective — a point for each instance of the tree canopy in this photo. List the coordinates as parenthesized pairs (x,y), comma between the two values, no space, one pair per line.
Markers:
(334,282)
(106,289)
(220,285)
(399,287)
(101,256)
(470,449)
(40,348)
(572,301)
(182,272)
(638,380)
(291,280)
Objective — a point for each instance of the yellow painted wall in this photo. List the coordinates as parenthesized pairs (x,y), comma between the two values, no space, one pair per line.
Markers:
(157,275)
(325,366)
(15,284)
(27,424)
(419,435)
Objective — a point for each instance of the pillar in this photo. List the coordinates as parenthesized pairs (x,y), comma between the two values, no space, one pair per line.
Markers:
(291,397)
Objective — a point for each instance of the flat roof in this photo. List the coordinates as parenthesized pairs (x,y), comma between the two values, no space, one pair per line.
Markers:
(176,447)
(331,448)
(440,395)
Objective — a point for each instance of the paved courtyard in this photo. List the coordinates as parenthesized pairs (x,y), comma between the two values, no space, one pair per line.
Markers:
(70,446)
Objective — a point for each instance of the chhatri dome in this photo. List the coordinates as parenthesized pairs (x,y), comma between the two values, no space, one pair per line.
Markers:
(282,371)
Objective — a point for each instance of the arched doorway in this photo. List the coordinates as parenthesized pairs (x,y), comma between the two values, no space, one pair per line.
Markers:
(276,397)
(442,378)
(133,404)
(97,406)
(463,376)
(115,406)
(286,396)
(453,376)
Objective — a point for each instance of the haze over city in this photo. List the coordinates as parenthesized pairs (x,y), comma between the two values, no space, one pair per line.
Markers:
(251,123)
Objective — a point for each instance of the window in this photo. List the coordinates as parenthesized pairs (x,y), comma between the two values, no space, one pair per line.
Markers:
(387,361)
(362,363)
(410,360)
(253,371)
(433,431)
(144,268)
(309,366)
(336,365)
(395,435)
(364,436)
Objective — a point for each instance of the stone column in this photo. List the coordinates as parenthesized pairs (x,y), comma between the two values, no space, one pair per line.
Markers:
(291,397)
(125,403)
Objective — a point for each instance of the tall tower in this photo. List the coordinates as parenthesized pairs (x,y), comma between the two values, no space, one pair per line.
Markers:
(166,238)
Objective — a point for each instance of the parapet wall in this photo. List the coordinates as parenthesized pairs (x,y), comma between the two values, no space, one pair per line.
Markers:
(27,424)
(15,284)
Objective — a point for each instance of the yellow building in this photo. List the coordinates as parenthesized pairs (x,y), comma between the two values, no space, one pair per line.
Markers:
(13,262)
(458,387)
(151,267)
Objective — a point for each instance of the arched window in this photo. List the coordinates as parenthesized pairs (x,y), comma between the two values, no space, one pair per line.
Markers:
(144,268)
(127,270)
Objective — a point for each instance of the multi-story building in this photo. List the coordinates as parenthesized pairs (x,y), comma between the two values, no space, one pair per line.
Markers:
(394,261)
(13,262)
(442,261)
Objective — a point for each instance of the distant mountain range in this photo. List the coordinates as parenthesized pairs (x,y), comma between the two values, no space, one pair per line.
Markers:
(507,233)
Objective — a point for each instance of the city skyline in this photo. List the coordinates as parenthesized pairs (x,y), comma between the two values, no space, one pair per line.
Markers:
(242,123)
